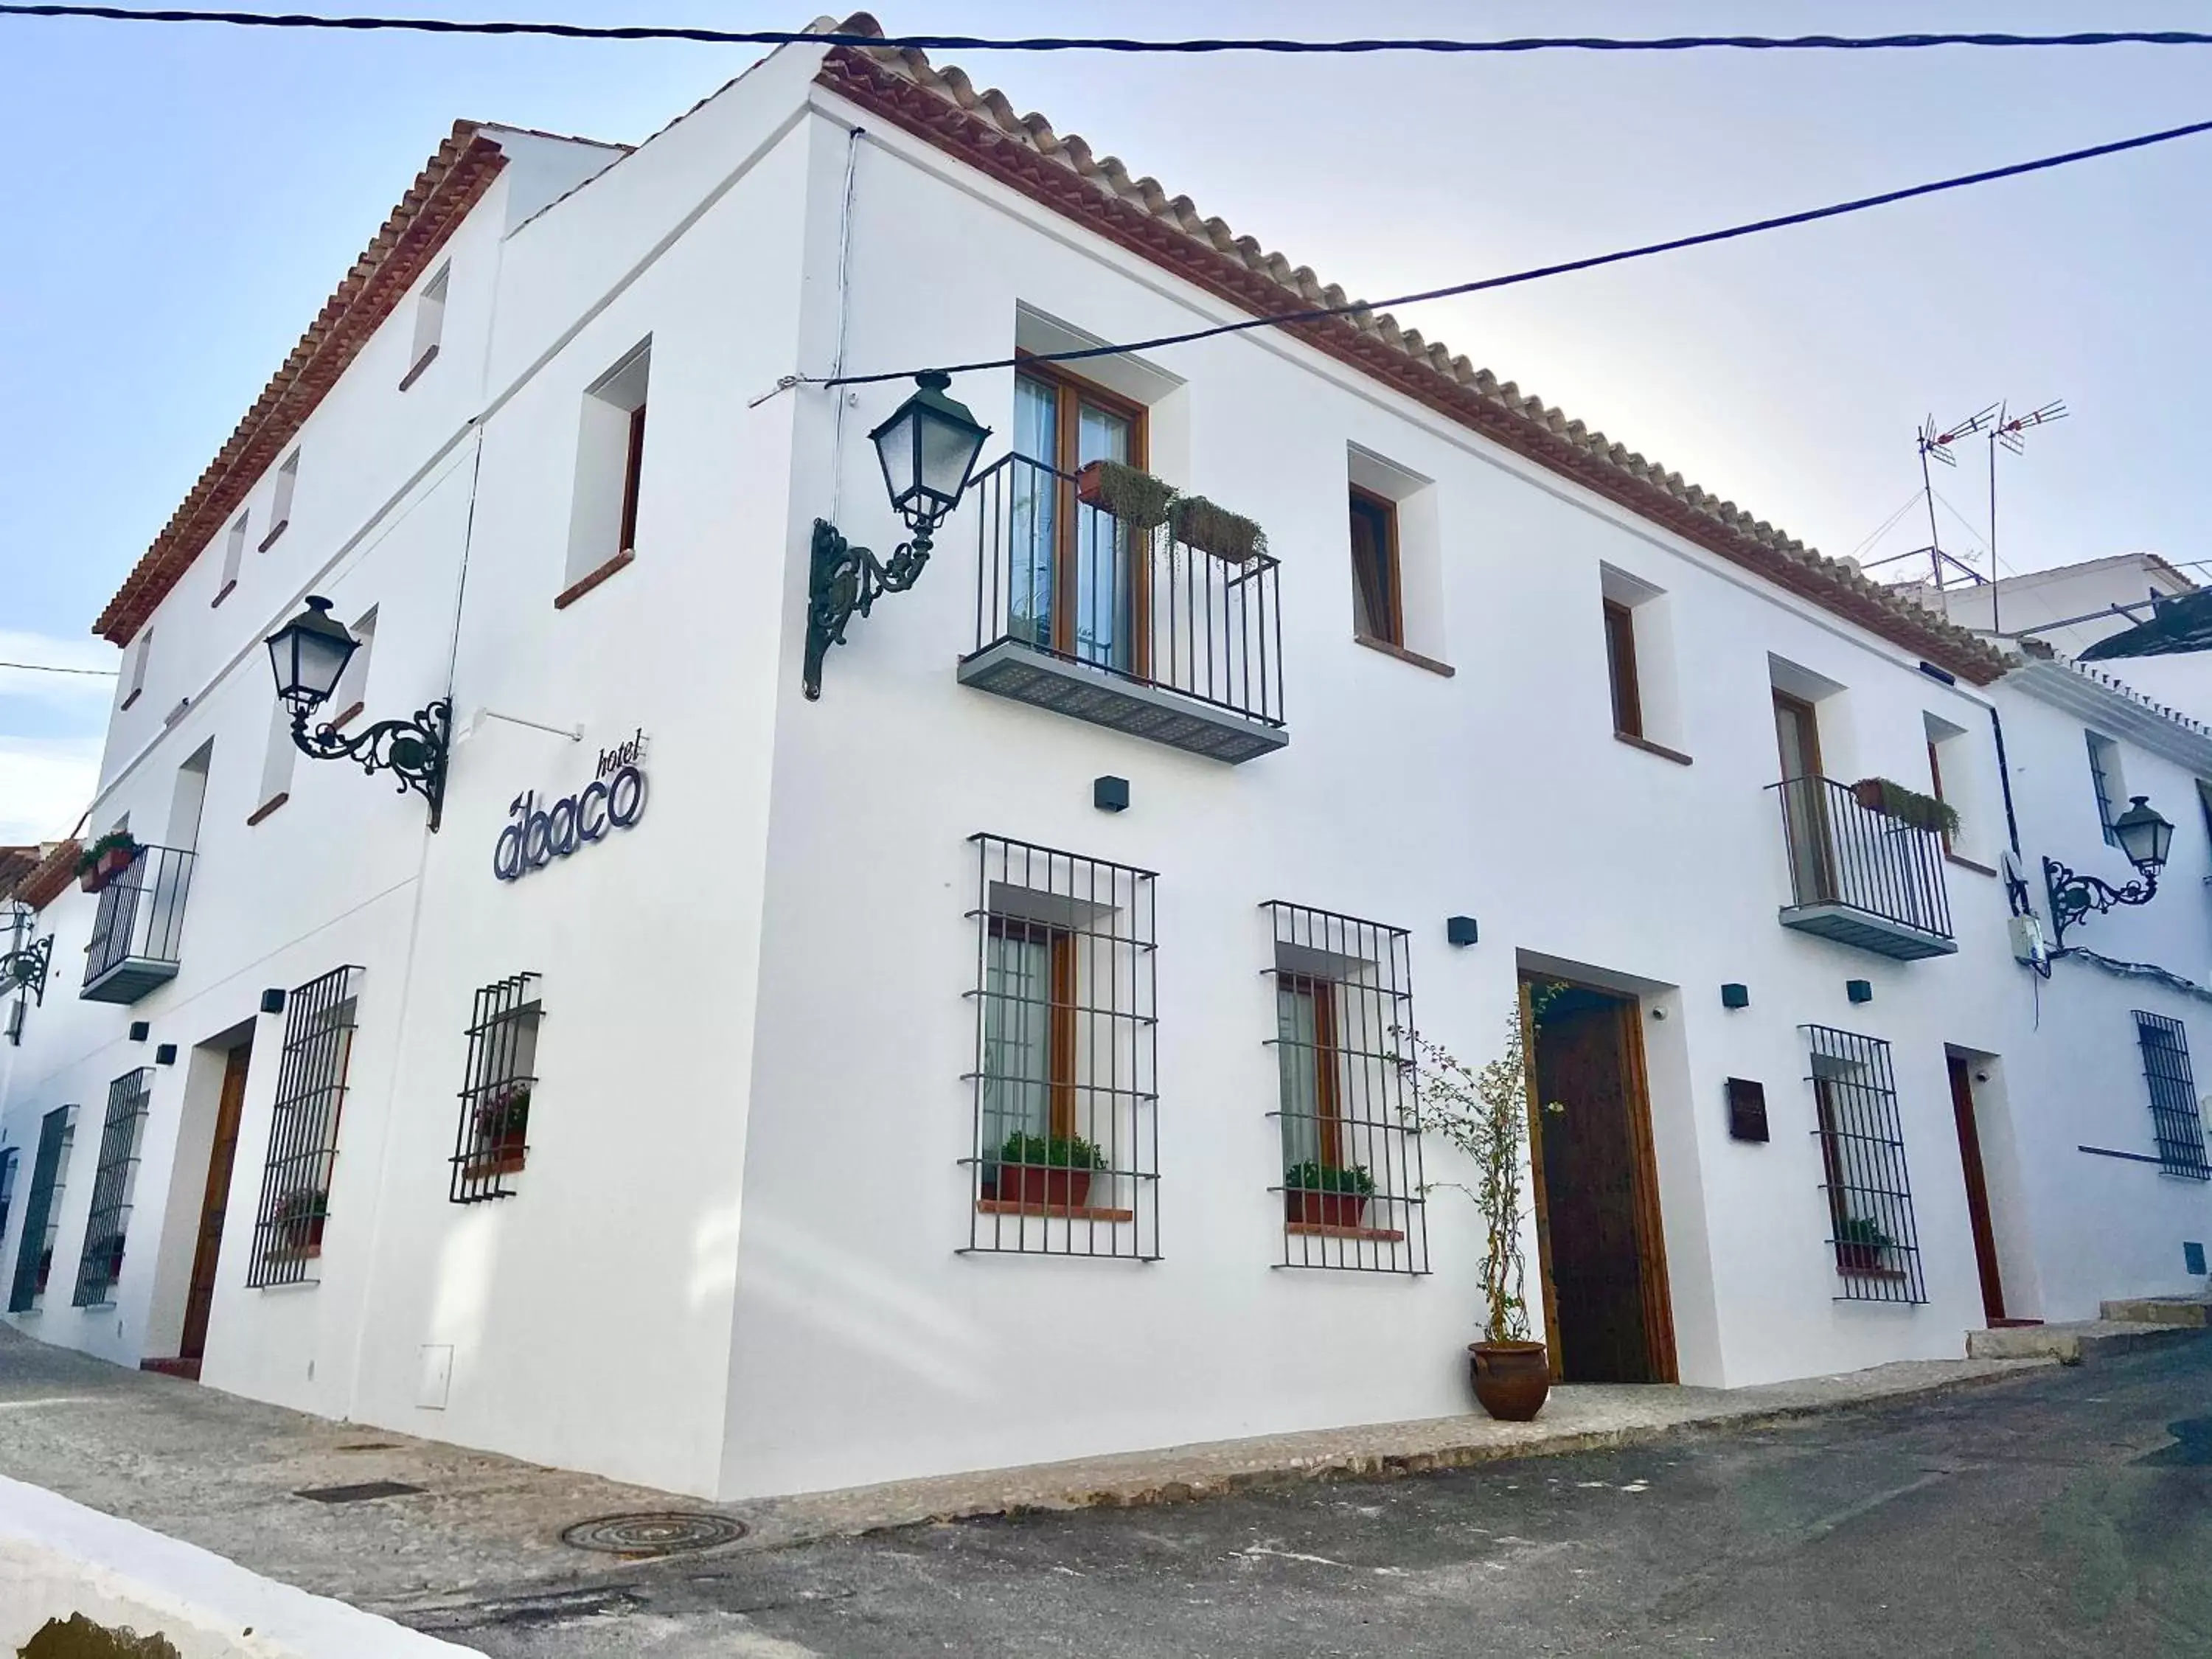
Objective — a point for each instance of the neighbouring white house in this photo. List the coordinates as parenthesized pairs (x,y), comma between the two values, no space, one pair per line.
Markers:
(998,1057)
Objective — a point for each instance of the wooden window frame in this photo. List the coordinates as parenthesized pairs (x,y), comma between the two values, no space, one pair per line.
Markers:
(1059,1015)
(1621,670)
(1394,570)
(633,471)
(1328,1105)
(1070,392)
(1936,788)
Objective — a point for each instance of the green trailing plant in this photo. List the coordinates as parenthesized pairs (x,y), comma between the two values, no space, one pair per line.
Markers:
(297,1213)
(1312,1176)
(1893,800)
(1483,1113)
(1200,524)
(1129,493)
(1051,1151)
(1862,1230)
(113,841)
(505,1116)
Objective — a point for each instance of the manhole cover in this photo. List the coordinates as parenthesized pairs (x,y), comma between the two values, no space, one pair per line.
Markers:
(356,1494)
(653,1534)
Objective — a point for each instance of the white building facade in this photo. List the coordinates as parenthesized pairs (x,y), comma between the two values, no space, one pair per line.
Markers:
(680,1135)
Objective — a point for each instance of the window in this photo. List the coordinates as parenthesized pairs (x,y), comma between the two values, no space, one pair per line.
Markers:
(276,763)
(1351,1179)
(42,1211)
(2173,1113)
(1080,575)
(429,326)
(303,1128)
(1065,1147)
(141,648)
(1620,669)
(100,1263)
(1377,612)
(234,556)
(2110,786)
(1876,1247)
(8,1156)
(610,472)
(279,510)
(2204,806)
(353,684)
(491,1142)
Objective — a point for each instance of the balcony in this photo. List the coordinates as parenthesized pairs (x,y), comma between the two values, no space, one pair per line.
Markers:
(1125,627)
(141,919)
(1860,876)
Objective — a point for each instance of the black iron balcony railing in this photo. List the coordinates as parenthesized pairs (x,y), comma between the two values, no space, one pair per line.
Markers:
(1127,627)
(136,932)
(1860,876)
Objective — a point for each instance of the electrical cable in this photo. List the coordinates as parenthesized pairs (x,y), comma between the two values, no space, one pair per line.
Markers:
(1319,314)
(1113,43)
(51,668)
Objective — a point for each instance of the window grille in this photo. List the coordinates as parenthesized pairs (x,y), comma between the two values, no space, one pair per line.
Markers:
(2173,1114)
(1351,1179)
(490,1144)
(8,1155)
(1065,1148)
(100,1263)
(1876,1247)
(303,1128)
(42,1209)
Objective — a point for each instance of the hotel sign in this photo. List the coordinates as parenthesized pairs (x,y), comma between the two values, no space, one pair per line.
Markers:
(613,799)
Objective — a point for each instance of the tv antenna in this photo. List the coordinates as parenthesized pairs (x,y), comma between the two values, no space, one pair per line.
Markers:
(1943,444)
(2011,431)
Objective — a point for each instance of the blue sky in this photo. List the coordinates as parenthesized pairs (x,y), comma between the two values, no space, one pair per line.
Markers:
(181,200)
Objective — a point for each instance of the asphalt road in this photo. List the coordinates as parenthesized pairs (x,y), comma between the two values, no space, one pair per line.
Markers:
(2066,1513)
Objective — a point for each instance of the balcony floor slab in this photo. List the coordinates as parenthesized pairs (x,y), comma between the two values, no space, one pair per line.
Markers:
(1008,668)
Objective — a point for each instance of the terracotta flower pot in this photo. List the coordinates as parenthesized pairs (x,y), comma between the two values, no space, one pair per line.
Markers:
(1512,1379)
(1867,792)
(1087,485)
(110,864)
(1856,1258)
(1319,1209)
(1049,1187)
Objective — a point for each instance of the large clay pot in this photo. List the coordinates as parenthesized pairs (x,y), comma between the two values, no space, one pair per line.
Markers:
(1308,1207)
(1051,1188)
(1512,1379)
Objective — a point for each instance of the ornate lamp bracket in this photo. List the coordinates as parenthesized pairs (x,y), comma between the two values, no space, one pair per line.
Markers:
(413,751)
(2073,896)
(24,969)
(844,579)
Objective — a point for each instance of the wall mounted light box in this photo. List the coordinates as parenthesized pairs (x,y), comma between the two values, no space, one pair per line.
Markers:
(1460,930)
(1736,996)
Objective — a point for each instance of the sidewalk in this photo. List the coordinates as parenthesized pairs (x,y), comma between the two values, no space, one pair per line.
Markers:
(223,1473)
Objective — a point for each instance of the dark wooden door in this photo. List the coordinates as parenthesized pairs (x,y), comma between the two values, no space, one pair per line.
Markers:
(1804,799)
(212,1205)
(1604,1256)
(1978,1189)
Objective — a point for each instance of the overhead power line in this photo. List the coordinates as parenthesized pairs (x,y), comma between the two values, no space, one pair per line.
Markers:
(53,668)
(1101,43)
(1318,314)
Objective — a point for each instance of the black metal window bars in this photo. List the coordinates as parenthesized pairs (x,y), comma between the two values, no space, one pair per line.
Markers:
(2174,1110)
(8,1159)
(100,1264)
(492,1140)
(42,1211)
(142,912)
(1351,1184)
(1870,1196)
(1842,852)
(303,1129)
(1063,1155)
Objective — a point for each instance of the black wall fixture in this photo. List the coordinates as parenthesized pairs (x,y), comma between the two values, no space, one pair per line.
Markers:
(1747,1104)
(1110,794)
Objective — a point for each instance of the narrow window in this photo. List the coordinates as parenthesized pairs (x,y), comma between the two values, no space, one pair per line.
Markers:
(276,763)
(1064,1149)
(303,1129)
(280,509)
(603,518)
(233,555)
(353,684)
(494,1129)
(429,326)
(1620,666)
(100,1263)
(1869,1197)
(1352,1178)
(2106,779)
(1377,612)
(2173,1111)
(8,1155)
(42,1210)
(2204,806)
(141,649)
(1080,577)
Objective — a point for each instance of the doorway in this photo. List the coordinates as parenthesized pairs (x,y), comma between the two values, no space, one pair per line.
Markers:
(1978,1189)
(214,1204)
(1608,1314)
(1804,803)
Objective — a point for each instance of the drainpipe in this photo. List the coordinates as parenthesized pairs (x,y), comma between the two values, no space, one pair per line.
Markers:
(2004,780)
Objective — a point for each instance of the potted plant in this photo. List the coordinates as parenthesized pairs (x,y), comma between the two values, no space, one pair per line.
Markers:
(46,1268)
(1317,1195)
(105,1256)
(1909,806)
(1130,494)
(298,1221)
(1484,1115)
(1859,1244)
(501,1129)
(1053,1171)
(105,859)
(1196,522)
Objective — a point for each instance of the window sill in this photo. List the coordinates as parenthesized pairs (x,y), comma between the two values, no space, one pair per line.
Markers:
(484,1169)
(1320,1229)
(269,540)
(267,807)
(1651,748)
(301,1253)
(352,709)
(1968,864)
(227,590)
(1053,1212)
(133,697)
(421,363)
(1404,655)
(1873,1273)
(576,590)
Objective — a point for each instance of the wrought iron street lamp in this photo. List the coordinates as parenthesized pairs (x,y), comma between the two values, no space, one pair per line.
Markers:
(928,449)
(2144,837)
(24,962)
(309,654)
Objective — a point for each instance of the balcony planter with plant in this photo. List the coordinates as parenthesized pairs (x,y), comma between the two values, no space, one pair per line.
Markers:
(296,1225)
(501,1128)
(105,859)
(1130,494)
(1908,806)
(1051,1172)
(1859,1245)
(1231,536)
(1322,1195)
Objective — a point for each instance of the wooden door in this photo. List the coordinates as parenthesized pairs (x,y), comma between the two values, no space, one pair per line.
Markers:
(1804,800)
(1978,1189)
(214,1203)
(1092,603)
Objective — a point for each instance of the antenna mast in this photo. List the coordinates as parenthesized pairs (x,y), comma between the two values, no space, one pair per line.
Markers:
(2011,430)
